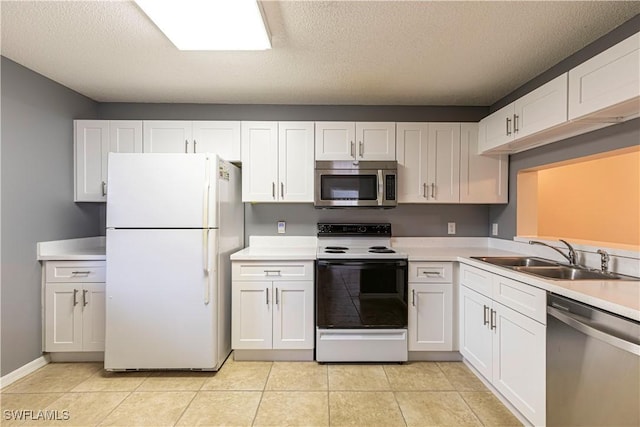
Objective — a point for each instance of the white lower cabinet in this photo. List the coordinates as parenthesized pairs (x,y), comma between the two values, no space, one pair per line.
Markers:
(271,308)
(430,325)
(504,345)
(74,310)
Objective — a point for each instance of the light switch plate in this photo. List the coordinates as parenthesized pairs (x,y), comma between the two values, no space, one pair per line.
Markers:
(494,229)
(282,227)
(451,228)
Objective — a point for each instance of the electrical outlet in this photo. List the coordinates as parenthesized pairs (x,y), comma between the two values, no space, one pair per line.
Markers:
(494,229)
(451,228)
(282,226)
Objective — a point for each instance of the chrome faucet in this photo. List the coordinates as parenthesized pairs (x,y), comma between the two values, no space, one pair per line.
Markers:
(571,257)
(604,261)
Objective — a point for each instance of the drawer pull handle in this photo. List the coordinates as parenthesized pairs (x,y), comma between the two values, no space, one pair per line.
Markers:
(84,273)
(75,297)
(85,301)
(431,273)
(272,273)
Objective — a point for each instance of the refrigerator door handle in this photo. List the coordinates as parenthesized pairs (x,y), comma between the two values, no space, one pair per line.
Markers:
(205,230)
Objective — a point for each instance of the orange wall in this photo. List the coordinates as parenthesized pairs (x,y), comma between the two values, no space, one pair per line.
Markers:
(592,200)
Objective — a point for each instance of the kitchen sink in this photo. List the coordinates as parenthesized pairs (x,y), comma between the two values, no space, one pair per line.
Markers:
(550,269)
(516,261)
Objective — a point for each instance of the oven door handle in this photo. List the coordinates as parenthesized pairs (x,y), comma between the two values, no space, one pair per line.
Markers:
(368,263)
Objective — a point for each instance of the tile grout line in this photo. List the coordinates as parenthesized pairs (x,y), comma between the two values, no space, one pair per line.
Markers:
(264,386)
(186,407)
(393,393)
(471,409)
(328,398)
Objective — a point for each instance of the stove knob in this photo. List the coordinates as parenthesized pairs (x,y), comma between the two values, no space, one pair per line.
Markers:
(362,229)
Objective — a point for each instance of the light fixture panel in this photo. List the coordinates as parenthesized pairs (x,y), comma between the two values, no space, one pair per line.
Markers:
(210,24)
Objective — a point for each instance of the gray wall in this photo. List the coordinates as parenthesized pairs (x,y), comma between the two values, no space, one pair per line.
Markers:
(607,139)
(406,220)
(37,198)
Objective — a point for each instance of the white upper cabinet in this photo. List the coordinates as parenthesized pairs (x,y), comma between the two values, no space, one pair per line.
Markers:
(483,177)
(178,136)
(167,136)
(428,162)
(277,162)
(355,141)
(539,110)
(219,137)
(607,86)
(93,141)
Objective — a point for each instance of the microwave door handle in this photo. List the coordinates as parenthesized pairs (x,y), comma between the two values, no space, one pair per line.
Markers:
(380,187)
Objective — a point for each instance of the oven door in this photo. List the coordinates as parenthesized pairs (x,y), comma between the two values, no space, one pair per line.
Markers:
(349,187)
(356,294)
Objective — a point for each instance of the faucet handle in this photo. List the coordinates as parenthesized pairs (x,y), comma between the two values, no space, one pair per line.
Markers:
(604,260)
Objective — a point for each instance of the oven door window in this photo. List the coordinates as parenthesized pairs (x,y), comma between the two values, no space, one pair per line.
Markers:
(352,294)
(349,187)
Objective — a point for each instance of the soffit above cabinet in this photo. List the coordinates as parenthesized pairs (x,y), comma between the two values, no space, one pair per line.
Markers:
(348,53)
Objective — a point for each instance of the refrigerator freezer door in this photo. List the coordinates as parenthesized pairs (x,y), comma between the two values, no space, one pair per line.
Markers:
(162,190)
(161,304)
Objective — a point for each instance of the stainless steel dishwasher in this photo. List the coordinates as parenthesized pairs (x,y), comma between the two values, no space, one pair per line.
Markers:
(593,366)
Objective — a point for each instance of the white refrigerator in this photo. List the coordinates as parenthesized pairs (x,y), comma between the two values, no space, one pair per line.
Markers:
(172,222)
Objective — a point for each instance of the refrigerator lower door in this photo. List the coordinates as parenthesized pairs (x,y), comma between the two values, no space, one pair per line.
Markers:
(161,303)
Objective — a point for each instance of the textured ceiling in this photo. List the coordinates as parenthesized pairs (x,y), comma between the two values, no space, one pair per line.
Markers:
(340,52)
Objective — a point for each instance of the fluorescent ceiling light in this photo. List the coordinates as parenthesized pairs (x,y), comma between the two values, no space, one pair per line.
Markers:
(210,24)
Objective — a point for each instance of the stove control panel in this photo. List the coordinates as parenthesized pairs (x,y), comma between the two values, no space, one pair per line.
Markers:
(377,229)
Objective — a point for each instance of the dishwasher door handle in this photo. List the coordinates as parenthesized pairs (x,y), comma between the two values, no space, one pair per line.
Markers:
(572,321)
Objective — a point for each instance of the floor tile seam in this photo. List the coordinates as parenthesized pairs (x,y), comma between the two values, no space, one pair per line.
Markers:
(185,408)
(395,398)
(264,386)
(470,408)
(114,408)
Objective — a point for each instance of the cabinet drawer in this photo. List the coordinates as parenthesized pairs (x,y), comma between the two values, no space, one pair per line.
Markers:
(523,298)
(431,272)
(75,271)
(476,279)
(256,270)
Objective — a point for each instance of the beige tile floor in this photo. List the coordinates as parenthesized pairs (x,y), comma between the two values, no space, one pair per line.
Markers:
(260,394)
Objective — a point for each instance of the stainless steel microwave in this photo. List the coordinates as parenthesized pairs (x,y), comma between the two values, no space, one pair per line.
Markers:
(356,184)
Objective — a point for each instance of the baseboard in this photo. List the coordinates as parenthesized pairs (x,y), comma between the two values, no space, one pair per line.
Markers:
(279,355)
(435,356)
(23,371)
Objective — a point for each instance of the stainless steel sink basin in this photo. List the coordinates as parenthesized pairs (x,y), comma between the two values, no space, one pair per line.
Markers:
(516,261)
(550,269)
(562,272)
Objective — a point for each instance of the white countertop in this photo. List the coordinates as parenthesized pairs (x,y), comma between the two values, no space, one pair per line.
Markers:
(84,249)
(276,248)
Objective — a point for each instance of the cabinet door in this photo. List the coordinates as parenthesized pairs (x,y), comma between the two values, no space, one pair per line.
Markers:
(335,141)
(430,317)
(251,325)
(167,136)
(610,81)
(498,129)
(443,181)
(376,141)
(296,161)
(293,321)
(483,177)
(63,317)
(542,108)
(125,136)
(476,337)
(219,137)
(93,316)
(91,140)
(259,161)
(412,147)
(519,355)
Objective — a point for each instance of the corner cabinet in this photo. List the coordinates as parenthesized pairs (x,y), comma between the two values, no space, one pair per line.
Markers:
(93,141)
(430,306)
(74,306)
(428,162)
(503,335)
(277,161)
(272,305)
(483,177)
(355,141)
